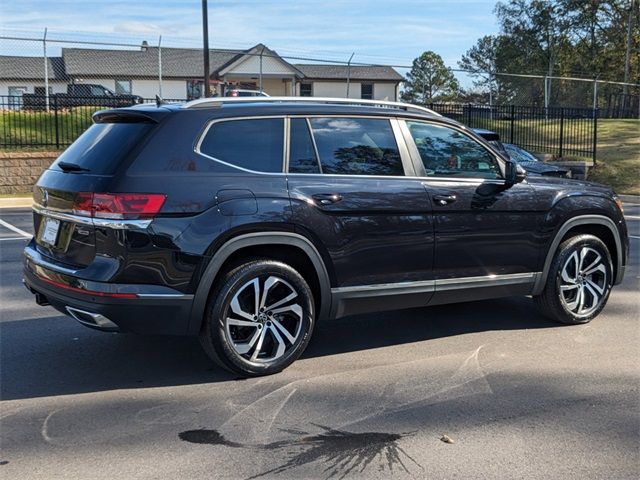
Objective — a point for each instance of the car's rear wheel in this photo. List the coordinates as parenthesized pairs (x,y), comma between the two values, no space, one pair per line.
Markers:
(579,281)
(259,319)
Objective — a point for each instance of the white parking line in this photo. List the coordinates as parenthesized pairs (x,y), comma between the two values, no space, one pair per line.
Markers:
(15,229)
(13,238)
(632,217)
(634,236)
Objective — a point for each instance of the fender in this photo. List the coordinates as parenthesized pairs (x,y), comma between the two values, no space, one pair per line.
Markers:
(248,240)
(568,225)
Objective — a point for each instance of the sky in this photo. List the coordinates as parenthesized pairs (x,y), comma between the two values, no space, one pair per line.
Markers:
(389,32)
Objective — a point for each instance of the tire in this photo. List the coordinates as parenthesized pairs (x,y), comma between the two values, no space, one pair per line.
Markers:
(572,295)
(243,335)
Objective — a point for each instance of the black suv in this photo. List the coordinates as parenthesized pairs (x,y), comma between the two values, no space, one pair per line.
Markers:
(246,221)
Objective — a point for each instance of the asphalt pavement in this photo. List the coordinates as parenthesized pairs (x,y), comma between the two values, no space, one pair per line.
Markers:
(374,396)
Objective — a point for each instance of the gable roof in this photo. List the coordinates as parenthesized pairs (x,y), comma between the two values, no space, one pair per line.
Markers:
(340,72)
(268,55)
(31,68)
(176,62)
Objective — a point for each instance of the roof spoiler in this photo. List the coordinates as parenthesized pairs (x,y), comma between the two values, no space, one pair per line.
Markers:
(123,116)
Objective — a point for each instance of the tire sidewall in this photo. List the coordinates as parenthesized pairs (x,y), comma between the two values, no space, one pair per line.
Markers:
(215,319)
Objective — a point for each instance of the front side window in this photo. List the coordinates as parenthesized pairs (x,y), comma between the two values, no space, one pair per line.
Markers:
(446,152)
(356,146)
(255,144)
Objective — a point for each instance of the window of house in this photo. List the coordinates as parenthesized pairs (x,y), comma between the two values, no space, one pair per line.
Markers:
(256,144)
(306,90)
(446,152)
(356,146)
(41,91)
(302,154)
(123,87)
(366,92)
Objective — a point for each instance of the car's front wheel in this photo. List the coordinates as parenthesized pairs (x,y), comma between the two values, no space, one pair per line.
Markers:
(259,319)
(579,281)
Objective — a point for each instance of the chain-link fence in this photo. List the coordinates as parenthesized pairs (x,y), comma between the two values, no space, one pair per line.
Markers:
(50,85)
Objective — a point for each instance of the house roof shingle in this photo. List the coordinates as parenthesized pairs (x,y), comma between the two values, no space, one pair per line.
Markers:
(31,68)
(358,72)
(176,63)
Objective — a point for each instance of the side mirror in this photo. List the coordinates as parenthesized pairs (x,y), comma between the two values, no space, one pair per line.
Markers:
(514,173)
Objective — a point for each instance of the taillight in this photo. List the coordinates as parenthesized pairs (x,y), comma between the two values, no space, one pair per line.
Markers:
(118,206)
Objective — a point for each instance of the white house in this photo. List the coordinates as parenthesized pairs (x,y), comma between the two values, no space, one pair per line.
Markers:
(176,73)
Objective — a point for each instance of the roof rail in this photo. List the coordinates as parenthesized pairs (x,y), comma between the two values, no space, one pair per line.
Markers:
(219,101)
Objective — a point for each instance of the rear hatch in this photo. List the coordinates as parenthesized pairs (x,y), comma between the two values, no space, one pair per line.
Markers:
(63,197)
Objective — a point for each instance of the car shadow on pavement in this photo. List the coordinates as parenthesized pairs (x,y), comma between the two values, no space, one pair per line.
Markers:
(55,356)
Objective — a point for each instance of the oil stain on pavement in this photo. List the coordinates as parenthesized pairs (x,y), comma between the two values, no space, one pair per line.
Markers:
(340,451)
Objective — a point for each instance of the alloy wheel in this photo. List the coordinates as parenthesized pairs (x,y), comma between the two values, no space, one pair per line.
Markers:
(584,283)
(263,320)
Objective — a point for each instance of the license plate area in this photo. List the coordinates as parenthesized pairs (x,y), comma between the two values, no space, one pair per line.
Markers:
(50,231)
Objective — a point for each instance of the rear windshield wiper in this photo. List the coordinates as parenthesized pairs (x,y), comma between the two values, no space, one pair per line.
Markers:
(71,167)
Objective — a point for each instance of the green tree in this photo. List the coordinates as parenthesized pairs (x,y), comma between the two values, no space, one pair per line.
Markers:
(430,80)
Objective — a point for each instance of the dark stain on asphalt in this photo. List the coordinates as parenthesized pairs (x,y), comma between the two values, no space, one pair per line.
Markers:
(340,451)
(4,462)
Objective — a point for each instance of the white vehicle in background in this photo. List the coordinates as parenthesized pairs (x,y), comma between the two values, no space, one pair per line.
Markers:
(238,92)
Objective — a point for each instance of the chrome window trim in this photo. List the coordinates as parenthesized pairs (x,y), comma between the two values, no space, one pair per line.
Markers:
(437,285)
(117,224)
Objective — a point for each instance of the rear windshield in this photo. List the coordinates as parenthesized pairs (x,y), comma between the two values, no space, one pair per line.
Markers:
(102,147)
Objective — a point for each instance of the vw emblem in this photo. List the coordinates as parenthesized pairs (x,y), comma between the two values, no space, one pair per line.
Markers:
(45,198)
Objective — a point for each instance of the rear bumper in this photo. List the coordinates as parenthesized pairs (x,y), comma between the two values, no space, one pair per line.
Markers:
(144,309)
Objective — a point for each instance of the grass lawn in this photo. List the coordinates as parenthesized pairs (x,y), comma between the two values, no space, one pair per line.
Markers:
(618,155)
(36,130)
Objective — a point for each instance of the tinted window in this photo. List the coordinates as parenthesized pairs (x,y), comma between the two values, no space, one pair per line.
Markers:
(366,91)
(446,152)
(251,144)
(302,155)
(306,90)
(102,147)
(356,146)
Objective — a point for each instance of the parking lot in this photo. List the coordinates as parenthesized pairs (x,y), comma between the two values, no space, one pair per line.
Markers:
(517,395)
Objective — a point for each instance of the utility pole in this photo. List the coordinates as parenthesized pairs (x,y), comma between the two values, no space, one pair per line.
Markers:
(349,72)
(205,49)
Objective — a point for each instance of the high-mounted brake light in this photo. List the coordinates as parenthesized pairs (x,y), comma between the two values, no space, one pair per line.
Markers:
(120,206)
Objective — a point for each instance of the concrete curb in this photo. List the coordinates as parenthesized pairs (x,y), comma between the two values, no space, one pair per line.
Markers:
(15,202)
(630,198)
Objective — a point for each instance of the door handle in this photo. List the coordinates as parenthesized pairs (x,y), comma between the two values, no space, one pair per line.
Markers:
(443,199)
(327,198)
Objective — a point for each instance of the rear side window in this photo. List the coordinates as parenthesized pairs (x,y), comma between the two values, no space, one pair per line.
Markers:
(302,154)
(256,144)
(103,146)
(357,146)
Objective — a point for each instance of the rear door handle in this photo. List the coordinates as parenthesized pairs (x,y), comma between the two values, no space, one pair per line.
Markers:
(443,199)
(327,198)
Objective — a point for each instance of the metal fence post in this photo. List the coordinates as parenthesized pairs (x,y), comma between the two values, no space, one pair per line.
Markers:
(561,131)
(468,114)
(595,134)
(55,121)
(511,126)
